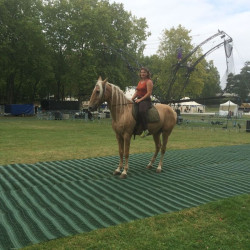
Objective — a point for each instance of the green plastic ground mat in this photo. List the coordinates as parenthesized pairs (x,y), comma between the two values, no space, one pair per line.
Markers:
(47,200)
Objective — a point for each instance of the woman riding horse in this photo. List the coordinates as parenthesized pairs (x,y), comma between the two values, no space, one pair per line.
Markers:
(123,122)
(142,95)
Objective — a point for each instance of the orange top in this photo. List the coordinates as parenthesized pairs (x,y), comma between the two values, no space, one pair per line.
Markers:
(141,89)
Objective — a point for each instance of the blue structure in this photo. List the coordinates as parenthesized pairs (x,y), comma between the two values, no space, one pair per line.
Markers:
(19,109)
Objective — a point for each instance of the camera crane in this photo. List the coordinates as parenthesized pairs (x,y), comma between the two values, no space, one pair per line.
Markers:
(190,68)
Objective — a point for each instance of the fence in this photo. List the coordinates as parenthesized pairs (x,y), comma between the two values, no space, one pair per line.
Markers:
(194,121)
(71,115)
(213,122)
(58,115)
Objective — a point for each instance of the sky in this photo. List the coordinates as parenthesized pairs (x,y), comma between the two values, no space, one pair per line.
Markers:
(203,18)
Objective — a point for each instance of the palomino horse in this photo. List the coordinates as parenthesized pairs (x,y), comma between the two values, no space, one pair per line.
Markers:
(123,122)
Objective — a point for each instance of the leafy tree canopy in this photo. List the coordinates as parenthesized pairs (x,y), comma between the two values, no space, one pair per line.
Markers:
(239,84)
(58,48)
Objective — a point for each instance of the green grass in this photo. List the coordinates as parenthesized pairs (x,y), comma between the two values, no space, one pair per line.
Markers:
(28,140)
(223,224)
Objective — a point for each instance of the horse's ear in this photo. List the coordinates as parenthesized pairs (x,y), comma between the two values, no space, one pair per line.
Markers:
(100,78)
(105,80)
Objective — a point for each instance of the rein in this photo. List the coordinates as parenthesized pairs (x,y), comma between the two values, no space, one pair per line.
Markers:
(122,104)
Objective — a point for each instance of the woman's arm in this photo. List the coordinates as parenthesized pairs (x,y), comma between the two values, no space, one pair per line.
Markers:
(134,95)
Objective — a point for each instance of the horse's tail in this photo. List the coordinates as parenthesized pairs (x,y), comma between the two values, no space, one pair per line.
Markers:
(175,116)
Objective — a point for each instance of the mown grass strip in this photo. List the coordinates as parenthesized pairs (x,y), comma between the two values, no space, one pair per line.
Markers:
(223,224)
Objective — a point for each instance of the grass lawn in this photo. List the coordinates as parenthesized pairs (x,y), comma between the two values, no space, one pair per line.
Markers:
(28,140)
(224,224)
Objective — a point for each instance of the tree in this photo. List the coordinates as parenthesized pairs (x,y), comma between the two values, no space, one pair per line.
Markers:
(56,23)
(91,38)
(60,47)
(171,85)
(240,84)
(212,81)
(22,49)
(244,87)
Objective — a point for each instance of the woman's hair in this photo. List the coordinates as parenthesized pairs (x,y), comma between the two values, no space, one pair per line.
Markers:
(145,69)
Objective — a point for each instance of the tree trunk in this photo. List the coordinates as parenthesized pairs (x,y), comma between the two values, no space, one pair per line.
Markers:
(10,88)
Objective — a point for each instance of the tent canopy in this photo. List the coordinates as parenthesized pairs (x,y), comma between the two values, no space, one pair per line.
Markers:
(191,103)
(228,103)
(190,106)
(229,106)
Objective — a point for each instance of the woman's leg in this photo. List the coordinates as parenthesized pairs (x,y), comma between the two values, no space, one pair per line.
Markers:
(143,108)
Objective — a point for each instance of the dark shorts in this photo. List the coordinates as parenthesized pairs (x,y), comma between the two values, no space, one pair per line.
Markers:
(144,106)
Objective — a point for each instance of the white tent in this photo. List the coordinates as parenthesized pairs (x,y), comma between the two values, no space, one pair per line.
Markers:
(129,92)
(191,106)
(229,107)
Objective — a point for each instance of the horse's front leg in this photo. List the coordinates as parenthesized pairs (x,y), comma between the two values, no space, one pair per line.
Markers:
(120,141)
(127,139)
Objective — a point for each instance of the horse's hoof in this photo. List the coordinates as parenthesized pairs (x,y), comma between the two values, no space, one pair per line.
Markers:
(149,166)
(158,170)
(116,173)
(123,176)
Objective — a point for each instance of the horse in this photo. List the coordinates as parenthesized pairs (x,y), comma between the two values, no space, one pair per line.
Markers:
(123,122)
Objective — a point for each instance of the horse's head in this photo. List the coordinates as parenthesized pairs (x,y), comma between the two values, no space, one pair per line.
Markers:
(98,94)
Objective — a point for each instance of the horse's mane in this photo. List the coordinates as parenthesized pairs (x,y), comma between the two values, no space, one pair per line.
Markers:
(118,101)
(118,96)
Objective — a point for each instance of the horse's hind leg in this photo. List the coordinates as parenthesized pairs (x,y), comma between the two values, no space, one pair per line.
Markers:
(163,150)
(157,149)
